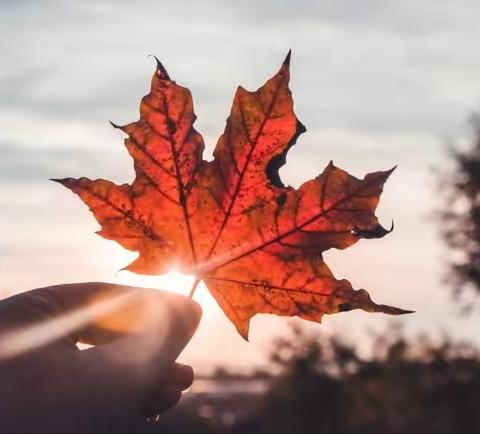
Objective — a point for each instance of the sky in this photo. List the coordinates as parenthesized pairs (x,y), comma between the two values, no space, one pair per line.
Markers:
(377,83)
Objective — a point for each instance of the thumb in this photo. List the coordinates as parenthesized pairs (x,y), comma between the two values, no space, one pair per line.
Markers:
(131,366)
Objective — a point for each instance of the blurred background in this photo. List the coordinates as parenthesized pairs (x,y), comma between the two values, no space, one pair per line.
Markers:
(377,83)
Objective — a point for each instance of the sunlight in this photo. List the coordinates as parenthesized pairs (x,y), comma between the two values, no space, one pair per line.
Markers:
(173,281)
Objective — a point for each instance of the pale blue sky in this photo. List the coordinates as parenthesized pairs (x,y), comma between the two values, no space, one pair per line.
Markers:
(376,83)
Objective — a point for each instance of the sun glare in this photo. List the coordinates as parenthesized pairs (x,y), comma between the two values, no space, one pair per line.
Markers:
(173,282)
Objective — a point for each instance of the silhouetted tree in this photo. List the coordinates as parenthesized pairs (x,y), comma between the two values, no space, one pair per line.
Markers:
(460,216)
(405,388)
(323,386)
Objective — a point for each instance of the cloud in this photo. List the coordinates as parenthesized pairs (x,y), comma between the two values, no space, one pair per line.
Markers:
(20,164)
(371,65)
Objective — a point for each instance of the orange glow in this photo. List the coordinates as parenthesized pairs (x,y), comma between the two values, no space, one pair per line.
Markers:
(172,281)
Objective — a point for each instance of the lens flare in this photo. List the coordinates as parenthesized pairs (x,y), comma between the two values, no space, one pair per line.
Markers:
(27,338)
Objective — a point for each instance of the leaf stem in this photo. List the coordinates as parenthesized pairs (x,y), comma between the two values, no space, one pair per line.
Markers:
(194,287)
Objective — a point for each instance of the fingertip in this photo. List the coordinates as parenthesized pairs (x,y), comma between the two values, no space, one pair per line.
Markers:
(163,400)
(187,312)
(182,375)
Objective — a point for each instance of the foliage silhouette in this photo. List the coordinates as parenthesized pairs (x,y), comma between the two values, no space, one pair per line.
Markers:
(460,215)
(324,386)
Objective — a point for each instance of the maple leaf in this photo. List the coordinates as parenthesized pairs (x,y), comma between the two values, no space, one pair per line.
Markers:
(231,222)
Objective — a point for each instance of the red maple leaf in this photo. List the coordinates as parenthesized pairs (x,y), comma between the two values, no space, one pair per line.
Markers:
(231,222)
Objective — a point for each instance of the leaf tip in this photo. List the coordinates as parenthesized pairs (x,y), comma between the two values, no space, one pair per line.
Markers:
(160,72)
(121,269)
(116,126)
(389,172)
(361,300)
(286,62)
(243,329)
(300,129)
(377,231)
(390,310)
(62,181)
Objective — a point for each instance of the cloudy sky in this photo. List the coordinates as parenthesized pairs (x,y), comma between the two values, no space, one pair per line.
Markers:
(377,83)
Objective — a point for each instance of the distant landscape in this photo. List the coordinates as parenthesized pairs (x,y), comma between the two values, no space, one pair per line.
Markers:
(325,387)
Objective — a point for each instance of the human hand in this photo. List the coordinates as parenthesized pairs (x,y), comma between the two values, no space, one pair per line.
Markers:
(47,385)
